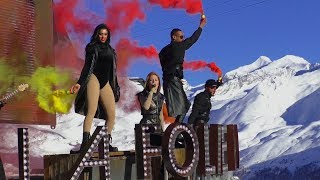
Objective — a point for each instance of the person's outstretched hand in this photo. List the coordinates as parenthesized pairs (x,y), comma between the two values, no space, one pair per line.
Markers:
(203,21)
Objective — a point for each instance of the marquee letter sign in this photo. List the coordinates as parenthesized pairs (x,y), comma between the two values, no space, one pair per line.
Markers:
(192,149)
(144,150)
(210,150)
(100,134)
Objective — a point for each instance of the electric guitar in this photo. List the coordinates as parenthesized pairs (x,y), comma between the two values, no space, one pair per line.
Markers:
(21,87)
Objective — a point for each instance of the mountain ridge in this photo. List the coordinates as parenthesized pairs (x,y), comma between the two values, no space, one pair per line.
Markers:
(274,103)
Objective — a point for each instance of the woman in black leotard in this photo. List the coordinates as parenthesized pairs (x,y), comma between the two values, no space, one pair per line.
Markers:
(97,86)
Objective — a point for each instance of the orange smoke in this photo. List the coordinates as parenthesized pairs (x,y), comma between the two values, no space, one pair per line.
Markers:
(191,6)
(198,65)
(128,50)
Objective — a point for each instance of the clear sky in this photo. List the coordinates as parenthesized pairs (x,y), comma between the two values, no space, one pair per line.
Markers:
(237,33)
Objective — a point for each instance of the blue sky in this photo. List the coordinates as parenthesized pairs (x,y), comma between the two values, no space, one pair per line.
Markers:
(237,33)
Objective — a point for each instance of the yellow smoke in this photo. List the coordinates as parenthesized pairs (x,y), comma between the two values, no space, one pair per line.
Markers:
(48,83)
(44,81)
(9,77)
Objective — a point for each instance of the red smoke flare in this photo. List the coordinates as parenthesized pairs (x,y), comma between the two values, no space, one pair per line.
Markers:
(64,15)
(128,50)
(191,6)
(197,65)
(121,15)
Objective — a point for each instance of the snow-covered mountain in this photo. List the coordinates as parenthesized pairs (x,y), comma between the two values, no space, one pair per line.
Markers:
(274,103)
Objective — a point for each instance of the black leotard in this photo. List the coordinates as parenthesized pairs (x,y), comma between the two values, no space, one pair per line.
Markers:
(103,68)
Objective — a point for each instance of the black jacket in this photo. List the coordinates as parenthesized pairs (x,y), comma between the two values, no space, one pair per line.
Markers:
(152,114)
(201,108)
(172,55)
(90,62)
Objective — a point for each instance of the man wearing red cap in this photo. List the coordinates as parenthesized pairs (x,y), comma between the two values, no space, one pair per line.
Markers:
(202,103)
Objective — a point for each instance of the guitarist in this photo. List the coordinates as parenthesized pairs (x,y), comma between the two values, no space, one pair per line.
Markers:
(21,87)
(2,103)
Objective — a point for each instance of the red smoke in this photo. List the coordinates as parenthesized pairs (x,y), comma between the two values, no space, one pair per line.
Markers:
(66,56)
(197,65)
(121,15)
(191,6)
(64,15)
(128,50)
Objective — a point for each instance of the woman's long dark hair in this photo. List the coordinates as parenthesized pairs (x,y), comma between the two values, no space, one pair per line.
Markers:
(95,36)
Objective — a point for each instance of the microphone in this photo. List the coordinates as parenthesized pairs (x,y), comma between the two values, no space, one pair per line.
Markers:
(153,85)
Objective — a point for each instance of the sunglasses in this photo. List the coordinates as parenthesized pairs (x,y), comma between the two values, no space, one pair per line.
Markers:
(181,36)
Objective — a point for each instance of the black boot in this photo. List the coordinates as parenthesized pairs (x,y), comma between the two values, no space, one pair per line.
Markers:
(85,141)
(111,149)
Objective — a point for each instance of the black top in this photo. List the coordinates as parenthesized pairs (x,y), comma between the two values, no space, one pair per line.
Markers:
(172,55)
(201,108)
(156,105)
(103,67)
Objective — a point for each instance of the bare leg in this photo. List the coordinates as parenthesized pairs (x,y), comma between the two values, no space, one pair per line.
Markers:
(93,89)
(107,99)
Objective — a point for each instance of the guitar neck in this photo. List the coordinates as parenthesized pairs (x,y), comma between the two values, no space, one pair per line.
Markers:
(8,96)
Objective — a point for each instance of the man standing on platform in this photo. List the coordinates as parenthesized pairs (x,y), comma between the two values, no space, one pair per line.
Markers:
(202,103)
(171,59)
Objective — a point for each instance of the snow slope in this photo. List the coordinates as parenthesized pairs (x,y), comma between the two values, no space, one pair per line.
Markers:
(274,104)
